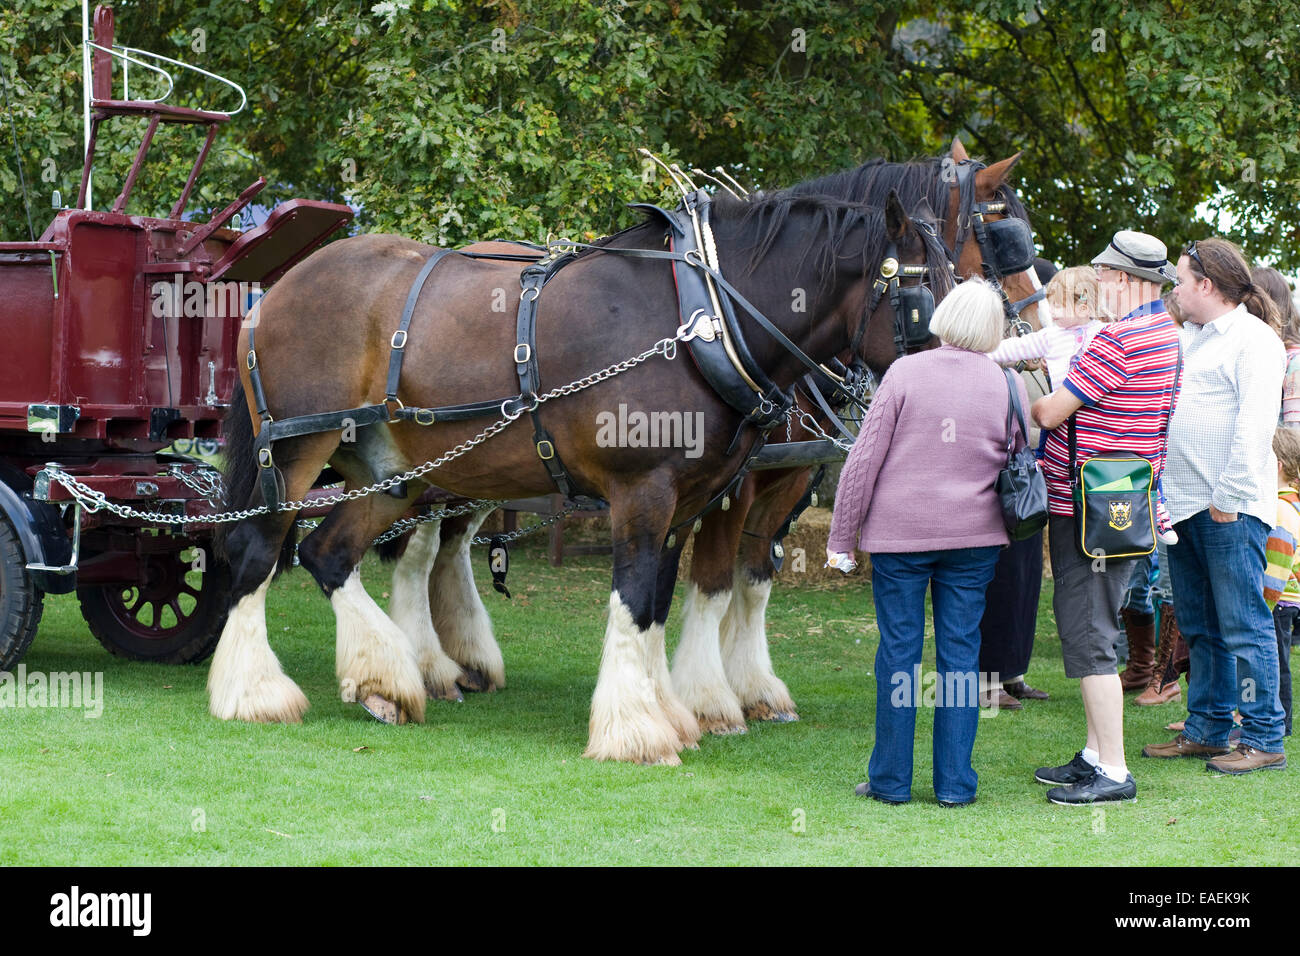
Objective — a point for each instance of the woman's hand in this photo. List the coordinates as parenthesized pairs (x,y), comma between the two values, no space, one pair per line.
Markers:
(840,561)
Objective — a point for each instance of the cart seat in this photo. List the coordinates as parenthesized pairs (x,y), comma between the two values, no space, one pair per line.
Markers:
(292,231)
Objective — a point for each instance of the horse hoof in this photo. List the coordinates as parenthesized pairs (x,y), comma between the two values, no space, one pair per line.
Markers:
(384,710)
(721,726)
(451,693)
(767,714)
(475,681)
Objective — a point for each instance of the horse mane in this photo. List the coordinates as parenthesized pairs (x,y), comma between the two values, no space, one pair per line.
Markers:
(913,181)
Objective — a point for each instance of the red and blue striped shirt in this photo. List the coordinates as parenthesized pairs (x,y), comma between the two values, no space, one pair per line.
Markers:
(1125,379)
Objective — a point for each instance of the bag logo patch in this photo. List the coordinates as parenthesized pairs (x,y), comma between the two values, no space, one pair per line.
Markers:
(1121,515)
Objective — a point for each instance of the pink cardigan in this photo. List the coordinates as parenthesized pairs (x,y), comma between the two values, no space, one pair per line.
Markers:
(921,473)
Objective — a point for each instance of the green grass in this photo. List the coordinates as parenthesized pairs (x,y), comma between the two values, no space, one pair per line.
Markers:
(500,779)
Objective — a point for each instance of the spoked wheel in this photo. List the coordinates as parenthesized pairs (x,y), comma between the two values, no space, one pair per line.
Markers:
(174,617)
(21,601)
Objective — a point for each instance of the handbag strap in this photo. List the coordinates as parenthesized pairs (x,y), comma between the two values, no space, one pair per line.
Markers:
(1014,405)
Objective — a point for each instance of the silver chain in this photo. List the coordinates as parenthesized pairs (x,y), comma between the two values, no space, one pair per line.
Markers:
(206,481)
(93,501)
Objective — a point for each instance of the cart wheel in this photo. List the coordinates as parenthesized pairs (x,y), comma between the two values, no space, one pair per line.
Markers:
(175,617)
(21,601)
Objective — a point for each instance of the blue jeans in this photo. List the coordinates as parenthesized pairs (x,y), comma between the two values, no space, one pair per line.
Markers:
(1218,576)
(1149,585)
(958,580)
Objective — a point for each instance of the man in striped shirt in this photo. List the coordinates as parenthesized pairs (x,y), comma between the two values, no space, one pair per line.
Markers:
(1221,488)
(1117,397)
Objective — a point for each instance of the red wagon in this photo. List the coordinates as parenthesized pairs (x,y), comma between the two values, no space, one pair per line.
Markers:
(118,333)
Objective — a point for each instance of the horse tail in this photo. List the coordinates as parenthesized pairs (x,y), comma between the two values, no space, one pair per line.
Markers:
(240,476)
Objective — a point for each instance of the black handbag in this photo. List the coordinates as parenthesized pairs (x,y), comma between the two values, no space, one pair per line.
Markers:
(1021,487)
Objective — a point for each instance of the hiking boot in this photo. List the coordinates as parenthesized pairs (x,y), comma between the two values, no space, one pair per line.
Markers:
(1246,759)
(1163,686)
(1141,631)
(1180,746)
(1098,788)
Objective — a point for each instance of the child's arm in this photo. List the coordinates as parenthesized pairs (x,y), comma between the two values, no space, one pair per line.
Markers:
(1279,557)
(1021,348)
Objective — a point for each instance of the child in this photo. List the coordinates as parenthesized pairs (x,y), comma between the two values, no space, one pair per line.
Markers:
(1281,586)
(1078,314)
(1078,311)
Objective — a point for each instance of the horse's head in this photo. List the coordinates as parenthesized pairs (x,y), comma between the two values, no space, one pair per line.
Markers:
(911,274)
(988,231)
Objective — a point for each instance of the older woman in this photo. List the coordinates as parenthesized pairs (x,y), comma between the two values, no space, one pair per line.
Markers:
(917,494)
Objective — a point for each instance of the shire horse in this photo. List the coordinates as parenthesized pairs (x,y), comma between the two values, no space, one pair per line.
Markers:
(601,309)
(722,669)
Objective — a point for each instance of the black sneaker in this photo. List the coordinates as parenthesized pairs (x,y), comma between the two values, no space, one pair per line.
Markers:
(1098,788)
(1076,771)
(864,790)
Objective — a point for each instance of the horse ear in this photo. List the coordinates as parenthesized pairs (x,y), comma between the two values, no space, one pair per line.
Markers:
(923,210)
(959,154)
(895,217)
(995,175)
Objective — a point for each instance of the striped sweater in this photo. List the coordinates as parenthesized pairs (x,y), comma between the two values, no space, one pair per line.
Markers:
(1125,380)
(1280,582)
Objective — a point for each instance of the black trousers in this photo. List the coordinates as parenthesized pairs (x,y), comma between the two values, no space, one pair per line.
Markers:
(1011,609)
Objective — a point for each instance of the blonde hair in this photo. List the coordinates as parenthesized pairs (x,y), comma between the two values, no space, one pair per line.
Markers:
(1286,445)
(970,317)
(1078,286)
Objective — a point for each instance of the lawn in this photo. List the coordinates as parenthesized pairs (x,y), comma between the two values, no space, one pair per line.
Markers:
(499,779)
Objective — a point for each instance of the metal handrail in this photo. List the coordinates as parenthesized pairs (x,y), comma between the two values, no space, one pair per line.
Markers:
(124,53)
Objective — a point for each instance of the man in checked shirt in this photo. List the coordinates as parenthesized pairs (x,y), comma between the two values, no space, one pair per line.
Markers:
(1220,485)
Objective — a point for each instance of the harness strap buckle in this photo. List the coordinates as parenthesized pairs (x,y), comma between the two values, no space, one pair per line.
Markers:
(251,361)
(264,459)
(527,353)
(424,416)
(549,452)
(398,340)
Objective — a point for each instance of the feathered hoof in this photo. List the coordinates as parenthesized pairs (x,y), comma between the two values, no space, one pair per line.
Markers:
(474,681)
(651,745)
(408,700)
(384,710)
(720,725)
(275,699)
(766,712)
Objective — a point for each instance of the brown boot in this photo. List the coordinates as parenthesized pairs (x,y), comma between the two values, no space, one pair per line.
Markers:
(1141,631)
(1163,686)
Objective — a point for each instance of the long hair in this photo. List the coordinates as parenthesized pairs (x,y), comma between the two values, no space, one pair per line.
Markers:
(1223,264)
(1275,287)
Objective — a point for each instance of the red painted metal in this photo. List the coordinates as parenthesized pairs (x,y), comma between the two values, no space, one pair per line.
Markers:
(122,328)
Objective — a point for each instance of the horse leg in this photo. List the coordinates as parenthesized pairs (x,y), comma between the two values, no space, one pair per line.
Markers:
(245,680)
(748,664)
(628,721)
(679,715)
(698,674)
(375,660)
(458,612)
(409,610)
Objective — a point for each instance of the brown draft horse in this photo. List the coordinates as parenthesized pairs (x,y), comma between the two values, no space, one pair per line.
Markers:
(323,336)
(722,669)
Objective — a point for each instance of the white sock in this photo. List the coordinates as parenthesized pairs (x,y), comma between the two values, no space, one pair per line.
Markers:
(1091,756)
(1118,774)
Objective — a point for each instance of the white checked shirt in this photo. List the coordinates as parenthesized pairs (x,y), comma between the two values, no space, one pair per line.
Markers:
(1221,436)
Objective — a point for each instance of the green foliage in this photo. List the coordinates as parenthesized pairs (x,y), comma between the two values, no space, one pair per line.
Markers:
(452,121)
